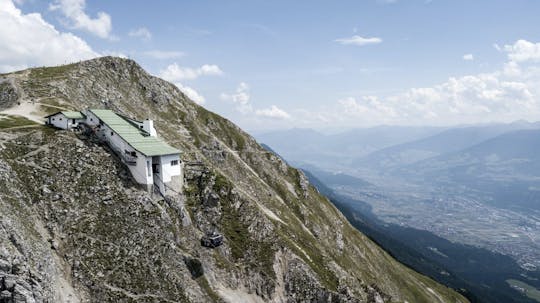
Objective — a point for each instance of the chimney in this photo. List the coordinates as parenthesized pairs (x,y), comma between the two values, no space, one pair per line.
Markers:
(148,126)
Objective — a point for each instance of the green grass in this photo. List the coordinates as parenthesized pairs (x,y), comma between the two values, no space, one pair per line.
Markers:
(8,121)
(223,128)
(529,290)
(51,72)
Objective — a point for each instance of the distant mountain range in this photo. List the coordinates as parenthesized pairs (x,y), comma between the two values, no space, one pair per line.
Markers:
(448,141)
(311,147)
(507,167)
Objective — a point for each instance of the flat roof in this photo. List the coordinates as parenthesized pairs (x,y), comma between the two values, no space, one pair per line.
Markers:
(69,114)
(138,139)
(73,114)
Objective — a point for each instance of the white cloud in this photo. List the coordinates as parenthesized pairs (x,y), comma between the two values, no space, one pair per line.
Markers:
(174,72)
(142,32)
(504,95)
(273,112)
(164,55)
(523,51)
(191,93)
(73,10)
(359,41)
(468,57)
(27,40)
(241,98)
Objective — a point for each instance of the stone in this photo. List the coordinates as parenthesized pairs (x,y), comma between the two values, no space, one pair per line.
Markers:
(23,295)
(5,266)
(6,294)
(45,190)
(9,283)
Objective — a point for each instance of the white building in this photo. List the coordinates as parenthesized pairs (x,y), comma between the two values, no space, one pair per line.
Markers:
(65,119)
(151,161)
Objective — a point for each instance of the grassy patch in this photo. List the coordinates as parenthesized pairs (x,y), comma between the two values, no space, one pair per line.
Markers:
(8,121)
(525,288)
(51,72)
(222,128)
(203,283)
(307,248)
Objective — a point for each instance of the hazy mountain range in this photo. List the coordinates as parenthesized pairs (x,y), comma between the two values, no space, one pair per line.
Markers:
(477,185)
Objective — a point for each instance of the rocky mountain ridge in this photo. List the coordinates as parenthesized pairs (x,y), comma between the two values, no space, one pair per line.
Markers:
(76,228)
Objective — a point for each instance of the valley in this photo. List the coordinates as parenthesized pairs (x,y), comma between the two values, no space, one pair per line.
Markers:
(458,218)
(464,191)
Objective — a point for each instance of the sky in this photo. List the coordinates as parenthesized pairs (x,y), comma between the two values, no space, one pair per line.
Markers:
(308,63)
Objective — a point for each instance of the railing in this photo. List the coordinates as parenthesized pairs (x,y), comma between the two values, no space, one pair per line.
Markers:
(129,160)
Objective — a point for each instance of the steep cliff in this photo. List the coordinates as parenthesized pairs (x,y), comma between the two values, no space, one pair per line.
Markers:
(74,227)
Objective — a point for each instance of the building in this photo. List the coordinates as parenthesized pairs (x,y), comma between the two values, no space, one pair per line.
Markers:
(65,119)
(151,161)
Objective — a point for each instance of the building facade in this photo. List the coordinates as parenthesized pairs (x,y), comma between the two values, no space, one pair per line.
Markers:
(151,161)
(65,119)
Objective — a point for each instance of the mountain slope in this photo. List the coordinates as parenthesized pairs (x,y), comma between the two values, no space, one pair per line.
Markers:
(307,146)
(506,167)
(76,228)
(448,141)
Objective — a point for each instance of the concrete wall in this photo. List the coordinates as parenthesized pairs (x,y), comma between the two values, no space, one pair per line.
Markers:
(58,120)
(169,178)
(148,126)
(141,171)
(171,175)
(91,119)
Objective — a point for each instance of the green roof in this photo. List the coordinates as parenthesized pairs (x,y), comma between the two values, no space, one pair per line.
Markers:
(69,114)
(73,115)
(138,139)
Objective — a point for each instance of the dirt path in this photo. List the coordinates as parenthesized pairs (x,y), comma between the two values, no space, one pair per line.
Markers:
(18,127)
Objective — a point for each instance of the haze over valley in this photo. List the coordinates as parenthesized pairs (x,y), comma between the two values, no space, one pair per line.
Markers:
(474,185)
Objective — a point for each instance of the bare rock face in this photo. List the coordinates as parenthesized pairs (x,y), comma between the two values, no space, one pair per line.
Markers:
(8,94)
(74,226)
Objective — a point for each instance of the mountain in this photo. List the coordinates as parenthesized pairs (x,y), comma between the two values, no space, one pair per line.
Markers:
(76,228)
(448,141)
(507,167)
(335,179)
(306,146)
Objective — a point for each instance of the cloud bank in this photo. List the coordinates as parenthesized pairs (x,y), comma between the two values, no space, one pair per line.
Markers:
(76,18)
(359,41)
(27,40)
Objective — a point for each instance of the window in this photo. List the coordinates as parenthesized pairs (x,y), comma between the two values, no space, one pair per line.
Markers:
(112,134)
(60,119)
(53,119)
(134,154)
(91,119)
(174,162)
(73,121)
(149,168)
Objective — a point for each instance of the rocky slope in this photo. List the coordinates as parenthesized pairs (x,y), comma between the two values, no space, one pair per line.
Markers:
(75,228)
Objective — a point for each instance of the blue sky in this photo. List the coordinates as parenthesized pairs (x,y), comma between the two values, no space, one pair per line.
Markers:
(319,64)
